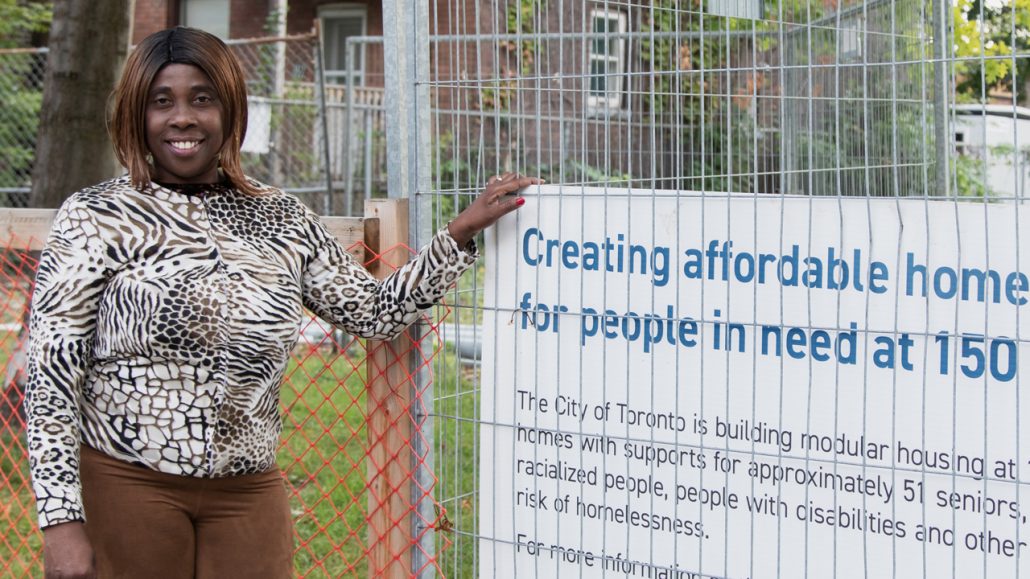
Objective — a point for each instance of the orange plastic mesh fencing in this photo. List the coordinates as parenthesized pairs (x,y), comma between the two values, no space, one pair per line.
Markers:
(348,451)
(20,540)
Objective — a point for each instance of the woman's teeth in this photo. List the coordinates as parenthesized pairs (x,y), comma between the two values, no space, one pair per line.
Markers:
(184,145)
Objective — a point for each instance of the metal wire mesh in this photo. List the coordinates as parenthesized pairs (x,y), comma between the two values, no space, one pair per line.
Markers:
(716,101)
(285,136)
(357,125)
(694,101)
(21,94)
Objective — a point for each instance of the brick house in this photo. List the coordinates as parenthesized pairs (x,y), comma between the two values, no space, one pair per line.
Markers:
(235,19)
(579,105)
(249,18)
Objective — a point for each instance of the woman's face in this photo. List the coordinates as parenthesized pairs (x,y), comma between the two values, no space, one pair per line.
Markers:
(184,125)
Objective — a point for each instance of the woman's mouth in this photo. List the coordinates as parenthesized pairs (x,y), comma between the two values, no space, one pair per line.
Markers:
(185,146)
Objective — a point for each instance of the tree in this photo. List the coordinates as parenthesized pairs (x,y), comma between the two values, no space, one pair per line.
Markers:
(88,44)
(992,29)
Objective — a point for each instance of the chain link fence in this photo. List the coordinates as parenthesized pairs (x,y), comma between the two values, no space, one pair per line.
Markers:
(287,144)
(678,111)
(21,95)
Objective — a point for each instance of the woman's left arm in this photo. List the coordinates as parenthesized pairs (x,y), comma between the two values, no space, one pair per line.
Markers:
(343,293)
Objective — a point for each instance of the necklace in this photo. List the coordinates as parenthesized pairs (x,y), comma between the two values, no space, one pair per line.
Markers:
(194,189)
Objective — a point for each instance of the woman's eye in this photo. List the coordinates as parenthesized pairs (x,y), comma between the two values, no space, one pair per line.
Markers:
(162,100)
(204,99)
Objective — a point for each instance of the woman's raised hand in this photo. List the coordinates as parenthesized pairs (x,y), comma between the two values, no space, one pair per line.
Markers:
(496,201)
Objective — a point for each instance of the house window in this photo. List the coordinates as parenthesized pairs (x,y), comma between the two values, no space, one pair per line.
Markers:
(607,59)
(340,22)
(850,39)
(209,15)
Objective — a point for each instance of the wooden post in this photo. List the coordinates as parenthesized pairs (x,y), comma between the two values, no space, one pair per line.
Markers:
(388,400)
(25,229)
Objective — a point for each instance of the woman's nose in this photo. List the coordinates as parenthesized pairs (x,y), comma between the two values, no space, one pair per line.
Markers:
(182,116)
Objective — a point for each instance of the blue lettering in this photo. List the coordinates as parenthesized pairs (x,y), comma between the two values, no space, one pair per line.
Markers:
(912,268)
(569,250)
(1015,283)
(532,231)
(938,283)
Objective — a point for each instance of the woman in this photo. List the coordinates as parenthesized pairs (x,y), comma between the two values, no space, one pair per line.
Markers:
(167,302)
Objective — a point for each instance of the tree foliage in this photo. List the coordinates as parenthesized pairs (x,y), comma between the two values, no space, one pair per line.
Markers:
(984,31)
(21,20)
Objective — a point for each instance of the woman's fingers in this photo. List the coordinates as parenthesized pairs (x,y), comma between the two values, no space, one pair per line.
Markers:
(510,183)
(501,177)
(491,205)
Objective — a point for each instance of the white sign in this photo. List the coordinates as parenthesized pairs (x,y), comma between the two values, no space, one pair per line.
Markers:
(678,385)
(259,126)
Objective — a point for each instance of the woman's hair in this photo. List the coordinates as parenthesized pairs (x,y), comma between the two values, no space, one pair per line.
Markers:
(178,45)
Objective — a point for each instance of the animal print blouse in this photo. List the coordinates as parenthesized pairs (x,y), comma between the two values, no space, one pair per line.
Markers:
(162,324)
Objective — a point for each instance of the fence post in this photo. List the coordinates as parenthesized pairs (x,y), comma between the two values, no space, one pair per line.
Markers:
(406,75)
(348,131)
(323,117)
(389,398)
(941,88)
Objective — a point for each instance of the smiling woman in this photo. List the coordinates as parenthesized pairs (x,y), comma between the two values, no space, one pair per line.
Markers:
(165,306)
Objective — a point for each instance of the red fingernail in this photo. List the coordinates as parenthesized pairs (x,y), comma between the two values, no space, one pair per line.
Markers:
(520,201)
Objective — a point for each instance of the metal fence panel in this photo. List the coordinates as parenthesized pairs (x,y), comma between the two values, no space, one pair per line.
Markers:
(285,127)
(857,99)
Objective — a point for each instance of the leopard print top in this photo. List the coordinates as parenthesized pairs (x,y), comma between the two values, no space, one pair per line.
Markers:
(162,323)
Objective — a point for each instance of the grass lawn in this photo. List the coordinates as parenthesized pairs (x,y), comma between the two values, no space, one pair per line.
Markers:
(20,541)
(322,455)
(325,442)
(456,461)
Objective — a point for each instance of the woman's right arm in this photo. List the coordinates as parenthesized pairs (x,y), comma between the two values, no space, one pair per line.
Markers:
(71,277)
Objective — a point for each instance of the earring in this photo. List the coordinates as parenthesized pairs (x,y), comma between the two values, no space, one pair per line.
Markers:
(150,159)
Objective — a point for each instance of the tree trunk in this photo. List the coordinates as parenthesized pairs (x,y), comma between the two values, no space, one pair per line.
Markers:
(88,44)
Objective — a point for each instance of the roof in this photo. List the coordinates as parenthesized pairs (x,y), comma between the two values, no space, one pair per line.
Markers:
(1007,111)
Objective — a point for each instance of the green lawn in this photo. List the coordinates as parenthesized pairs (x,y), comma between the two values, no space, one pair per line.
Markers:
(336,505)
(456,461)
(322,455)
(20,542)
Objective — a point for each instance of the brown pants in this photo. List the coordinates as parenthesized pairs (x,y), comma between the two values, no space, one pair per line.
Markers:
(149,524)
